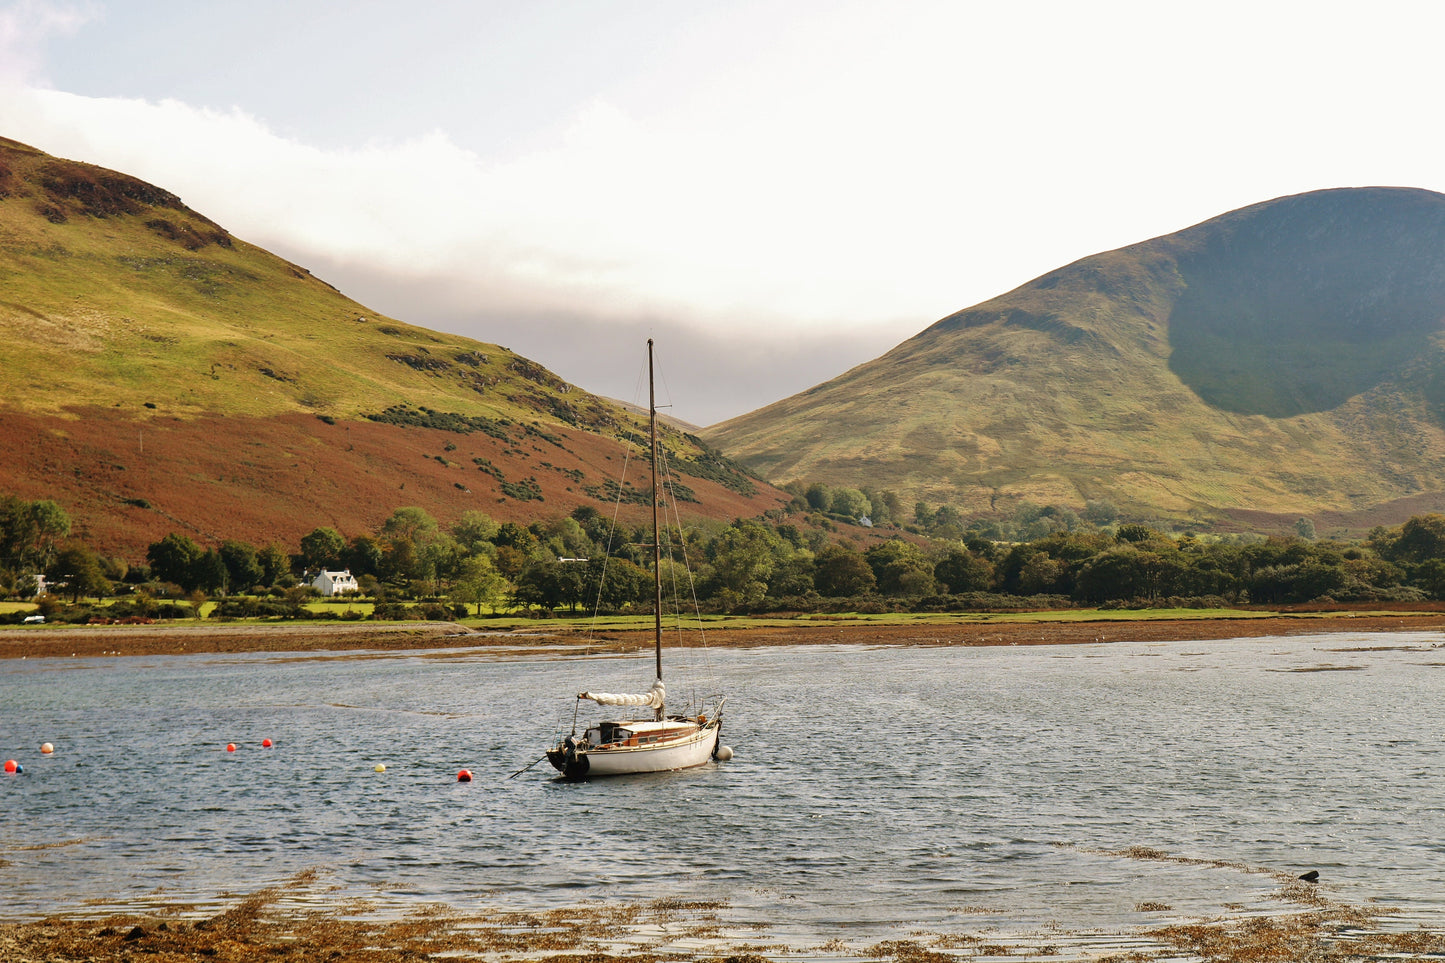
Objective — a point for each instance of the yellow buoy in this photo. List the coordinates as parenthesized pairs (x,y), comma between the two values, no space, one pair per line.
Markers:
(380,767)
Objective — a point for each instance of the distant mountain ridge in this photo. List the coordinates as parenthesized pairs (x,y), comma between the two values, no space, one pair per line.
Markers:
(161,375)
(1284,359)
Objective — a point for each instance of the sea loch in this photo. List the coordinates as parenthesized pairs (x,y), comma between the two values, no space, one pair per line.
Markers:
(875,791)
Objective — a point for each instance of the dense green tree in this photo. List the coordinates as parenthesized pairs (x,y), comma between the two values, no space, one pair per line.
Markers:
(321,548)
(362,556)
(1373,576)
(819,497)
(622,584)
(885,506)
(401,563)
(474,530)
(1430,576)
(243,570)
(1135,533)
(792,577)
(412,523)
(1031,522)
(51,524)
(1272,584)
(1420,538)
(743,557)
(948,522)
(551,584)
(962,571)
(900,568)
(790,534)
(1317,578)
(1009,567)
(30,532)
(114,569)
(1276,551)
(416,550)
(510,561)
(840,572)
(1118,573)
(565,538)
(1210,574)
(275,564)
(442,556)
(512,535)
(850,503)
(479,583)
(210,573)
(596,525)
(76,571)
(174,558)
(1042,574)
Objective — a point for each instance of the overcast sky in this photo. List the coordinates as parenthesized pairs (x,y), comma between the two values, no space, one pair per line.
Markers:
(776,191)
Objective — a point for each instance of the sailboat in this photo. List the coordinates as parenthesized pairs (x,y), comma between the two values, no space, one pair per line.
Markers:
(662,743)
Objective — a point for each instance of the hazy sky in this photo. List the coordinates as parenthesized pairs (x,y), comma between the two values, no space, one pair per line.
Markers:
(776,191)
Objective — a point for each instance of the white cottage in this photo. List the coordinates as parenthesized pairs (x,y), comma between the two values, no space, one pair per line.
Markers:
(335,583)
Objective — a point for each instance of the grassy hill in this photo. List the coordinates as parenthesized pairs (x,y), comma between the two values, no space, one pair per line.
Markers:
(162,375)
(1282,360)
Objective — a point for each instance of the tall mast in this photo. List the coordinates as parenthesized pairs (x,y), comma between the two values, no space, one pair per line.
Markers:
(656,540)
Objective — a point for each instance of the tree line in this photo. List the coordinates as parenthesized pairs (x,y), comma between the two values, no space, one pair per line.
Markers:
(810,556)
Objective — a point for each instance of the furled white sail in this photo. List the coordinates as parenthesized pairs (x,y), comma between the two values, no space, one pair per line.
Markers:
(654,697)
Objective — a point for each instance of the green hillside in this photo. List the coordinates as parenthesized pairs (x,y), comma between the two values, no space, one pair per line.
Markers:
(161,374)
(1281,360)
(119,294)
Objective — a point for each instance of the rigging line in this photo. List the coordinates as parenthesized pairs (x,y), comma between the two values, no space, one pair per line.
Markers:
(687,568)
(669,508)
(630,437)
(607,549)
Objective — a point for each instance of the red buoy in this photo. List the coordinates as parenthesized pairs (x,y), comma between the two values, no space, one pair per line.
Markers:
(266,743)
(11,765)
(464,776)
(230,747)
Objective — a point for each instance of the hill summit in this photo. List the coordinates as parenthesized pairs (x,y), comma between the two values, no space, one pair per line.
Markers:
(1282,360)
(162,375)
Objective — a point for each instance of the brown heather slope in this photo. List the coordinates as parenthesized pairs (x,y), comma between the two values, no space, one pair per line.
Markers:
(128,480)
(160,375)
(1282,360)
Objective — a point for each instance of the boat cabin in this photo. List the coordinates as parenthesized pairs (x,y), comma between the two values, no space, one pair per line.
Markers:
(640,733)
(606,734)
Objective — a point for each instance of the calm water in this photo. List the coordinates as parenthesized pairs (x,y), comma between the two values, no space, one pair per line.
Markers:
(873,789)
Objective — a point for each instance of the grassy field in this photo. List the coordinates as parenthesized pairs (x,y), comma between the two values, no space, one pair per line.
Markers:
(516,622)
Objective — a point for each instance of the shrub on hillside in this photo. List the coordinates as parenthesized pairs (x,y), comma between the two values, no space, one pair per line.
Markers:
(258,608)
(394,612)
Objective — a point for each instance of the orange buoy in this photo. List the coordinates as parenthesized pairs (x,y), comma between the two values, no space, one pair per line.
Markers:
(12,766)
(464,776)
(46,749)
(266,743)
(230,747)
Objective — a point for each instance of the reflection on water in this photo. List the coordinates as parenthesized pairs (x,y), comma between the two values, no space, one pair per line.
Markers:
(1089,788)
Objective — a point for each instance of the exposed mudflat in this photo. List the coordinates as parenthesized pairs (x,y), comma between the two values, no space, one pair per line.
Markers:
(91,640)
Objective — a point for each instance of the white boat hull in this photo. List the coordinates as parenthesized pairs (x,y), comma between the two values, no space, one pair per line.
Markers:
(687,752)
